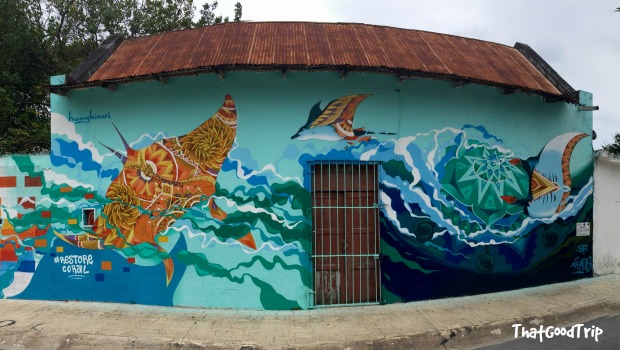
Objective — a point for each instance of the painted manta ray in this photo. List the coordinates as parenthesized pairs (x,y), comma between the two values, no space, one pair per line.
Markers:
(335,122)
(550,180)
(159,182)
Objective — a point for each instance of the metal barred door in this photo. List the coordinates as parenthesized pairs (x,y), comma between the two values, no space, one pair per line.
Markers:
(346,235)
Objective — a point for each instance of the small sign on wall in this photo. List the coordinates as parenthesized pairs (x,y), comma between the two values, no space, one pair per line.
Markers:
(583,229)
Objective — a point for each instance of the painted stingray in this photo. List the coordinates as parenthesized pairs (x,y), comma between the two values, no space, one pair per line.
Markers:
(335,121)
(550,180)
(159,182)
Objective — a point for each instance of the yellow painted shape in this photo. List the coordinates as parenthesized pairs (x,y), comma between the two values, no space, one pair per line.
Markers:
(72,221)
(106,265)
(7,228)
(162,239)
(40,243)
(60,249)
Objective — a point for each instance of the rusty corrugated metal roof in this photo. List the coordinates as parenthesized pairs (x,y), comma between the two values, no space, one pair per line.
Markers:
(311,46)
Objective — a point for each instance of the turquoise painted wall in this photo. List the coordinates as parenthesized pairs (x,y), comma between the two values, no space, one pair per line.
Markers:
(244,240)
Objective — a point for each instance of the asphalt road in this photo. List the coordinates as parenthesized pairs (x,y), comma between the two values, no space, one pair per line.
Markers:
(608,337)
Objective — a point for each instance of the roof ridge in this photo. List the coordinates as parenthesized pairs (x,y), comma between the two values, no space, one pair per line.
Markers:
(321,23)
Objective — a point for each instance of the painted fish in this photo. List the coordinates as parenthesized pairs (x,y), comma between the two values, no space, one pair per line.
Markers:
(550,180)
(159,182)
(334,122)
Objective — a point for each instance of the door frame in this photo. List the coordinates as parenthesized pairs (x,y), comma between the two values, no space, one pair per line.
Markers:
(365,259)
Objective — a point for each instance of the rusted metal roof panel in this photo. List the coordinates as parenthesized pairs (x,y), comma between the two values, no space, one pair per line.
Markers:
(344,45)
(263,45)
(400,51)
(319,52)
(532,77)
(424,50)
(464,62)
(373,48)
(479,54)
(299,45)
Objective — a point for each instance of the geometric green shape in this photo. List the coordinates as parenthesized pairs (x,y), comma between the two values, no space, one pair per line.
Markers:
(479,176)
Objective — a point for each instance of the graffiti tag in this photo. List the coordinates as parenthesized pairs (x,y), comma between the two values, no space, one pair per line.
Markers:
(89,117)
(582,264)
(582,249)
(76,266)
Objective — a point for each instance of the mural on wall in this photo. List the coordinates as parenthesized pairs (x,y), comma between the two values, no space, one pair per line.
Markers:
(194,220)
(21,234)
(335,121)
(461,214)
(165,226)
(158,183)
(478,218)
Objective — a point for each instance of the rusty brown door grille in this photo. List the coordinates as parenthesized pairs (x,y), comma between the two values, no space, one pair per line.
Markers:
(345,233)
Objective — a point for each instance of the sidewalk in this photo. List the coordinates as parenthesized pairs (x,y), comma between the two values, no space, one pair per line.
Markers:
(463,323)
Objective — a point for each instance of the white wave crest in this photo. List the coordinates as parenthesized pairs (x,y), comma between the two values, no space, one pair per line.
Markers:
(62,179)
(248,208)
(62,126)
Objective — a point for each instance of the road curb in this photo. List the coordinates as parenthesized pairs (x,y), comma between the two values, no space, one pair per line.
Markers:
(463,323)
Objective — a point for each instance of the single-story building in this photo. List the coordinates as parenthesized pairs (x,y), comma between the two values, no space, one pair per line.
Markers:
(289,165)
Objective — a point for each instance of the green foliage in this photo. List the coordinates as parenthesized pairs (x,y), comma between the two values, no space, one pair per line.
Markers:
(25,65)
(208,17)
(238,10)
(157,16)
(41,38)
(613,148)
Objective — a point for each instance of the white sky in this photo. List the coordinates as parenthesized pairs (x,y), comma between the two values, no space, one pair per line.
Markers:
(579,39)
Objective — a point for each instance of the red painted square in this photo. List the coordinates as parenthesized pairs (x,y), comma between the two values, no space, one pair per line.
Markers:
(46,214)
(8,181)
(33,181)
(131,260)
(27,204)
(89,196)
(7,253)
(40,232)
